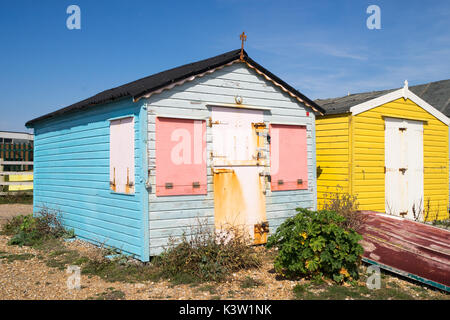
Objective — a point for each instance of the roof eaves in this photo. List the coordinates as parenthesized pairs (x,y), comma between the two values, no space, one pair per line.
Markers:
(180,82)
(253,65)
(136,91)
(404,93)
(283,85)
(173,82)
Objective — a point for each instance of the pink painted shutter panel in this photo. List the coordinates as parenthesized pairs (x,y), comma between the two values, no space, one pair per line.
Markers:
(121,155)
(288,157)
(180,157)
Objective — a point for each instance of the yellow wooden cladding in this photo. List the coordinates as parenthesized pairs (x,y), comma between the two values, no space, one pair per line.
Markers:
(350,154)
(332,152)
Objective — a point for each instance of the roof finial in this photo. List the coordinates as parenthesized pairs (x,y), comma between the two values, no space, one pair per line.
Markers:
(405,90)
(243,38)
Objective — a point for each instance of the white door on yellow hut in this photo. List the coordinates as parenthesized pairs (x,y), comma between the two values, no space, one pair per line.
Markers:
(239,199)
(404,167)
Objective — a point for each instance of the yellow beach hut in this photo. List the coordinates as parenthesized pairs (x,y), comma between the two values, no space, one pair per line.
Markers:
(388,148)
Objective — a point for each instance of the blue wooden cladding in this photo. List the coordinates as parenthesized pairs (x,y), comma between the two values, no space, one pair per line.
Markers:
(71,170)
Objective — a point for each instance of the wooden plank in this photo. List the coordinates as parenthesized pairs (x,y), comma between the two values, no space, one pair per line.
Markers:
(16,183)
(16,162)
(8,173)
(28,192)
(412,249)
(72,155)
(169,215)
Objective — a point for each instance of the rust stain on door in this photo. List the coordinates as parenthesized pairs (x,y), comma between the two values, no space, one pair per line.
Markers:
(238,159)
(229,204)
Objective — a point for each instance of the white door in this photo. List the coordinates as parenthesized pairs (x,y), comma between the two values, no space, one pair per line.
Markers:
(404,167)
(239,198)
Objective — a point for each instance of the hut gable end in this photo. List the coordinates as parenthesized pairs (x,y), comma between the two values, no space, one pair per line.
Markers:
(171,216)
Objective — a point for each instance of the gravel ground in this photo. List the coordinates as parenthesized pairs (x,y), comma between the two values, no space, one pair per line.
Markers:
(33,279)
(7,211)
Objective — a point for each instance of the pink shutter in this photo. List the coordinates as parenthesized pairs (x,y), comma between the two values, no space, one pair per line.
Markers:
(180,157)
(288,157)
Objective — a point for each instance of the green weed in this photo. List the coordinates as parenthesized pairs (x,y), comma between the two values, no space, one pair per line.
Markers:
(249,282)
(16,257)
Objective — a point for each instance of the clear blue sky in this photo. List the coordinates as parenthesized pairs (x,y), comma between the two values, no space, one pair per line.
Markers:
(323,48)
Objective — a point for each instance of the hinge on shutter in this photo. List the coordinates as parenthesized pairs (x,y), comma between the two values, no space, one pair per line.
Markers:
(261,231)
(169,185)
(129,187)
(258,125)
(112,184)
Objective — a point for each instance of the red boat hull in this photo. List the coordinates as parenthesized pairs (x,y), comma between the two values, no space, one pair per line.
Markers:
(412,249)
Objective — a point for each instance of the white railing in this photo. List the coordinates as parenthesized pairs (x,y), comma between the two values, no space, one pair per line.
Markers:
(8,183)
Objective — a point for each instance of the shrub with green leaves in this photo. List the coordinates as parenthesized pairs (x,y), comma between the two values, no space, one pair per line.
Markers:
(313,244)
(32,230)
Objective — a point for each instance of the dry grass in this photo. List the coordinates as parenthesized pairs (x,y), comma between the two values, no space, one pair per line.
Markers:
(34,279)
(205,254)
(345,205)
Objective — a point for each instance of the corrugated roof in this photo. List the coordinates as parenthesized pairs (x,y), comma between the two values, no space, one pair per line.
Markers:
(138,88)
(437,94)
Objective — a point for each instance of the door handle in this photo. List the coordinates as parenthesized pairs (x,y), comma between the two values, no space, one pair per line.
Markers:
(402,170)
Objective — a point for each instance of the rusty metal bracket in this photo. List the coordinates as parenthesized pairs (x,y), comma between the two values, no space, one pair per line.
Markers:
(259,125)
(261,230)
(112,184)
(169,185)
(221,170)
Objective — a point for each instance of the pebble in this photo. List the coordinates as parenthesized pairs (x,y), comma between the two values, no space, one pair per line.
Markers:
(32,279)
